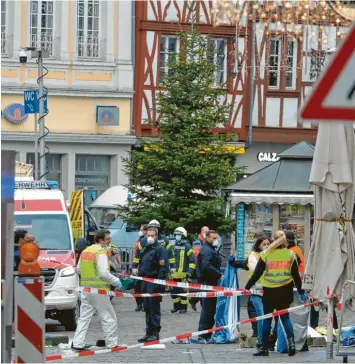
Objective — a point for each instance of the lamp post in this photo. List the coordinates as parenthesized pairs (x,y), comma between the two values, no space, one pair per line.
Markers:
(40,54)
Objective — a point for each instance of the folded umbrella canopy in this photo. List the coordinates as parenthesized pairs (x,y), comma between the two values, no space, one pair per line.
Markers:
(331,259)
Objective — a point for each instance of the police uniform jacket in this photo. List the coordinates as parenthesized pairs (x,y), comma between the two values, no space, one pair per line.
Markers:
(208,265)
(153,262)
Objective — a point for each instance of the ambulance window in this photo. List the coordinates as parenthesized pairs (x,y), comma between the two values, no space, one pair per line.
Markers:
(51,231)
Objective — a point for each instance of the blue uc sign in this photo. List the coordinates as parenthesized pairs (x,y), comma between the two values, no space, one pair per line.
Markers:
(15,113)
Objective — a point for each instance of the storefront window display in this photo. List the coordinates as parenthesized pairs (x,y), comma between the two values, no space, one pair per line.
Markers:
(258,220)
(292,218)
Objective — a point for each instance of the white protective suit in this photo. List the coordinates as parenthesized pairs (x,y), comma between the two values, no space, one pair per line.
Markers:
(100,303)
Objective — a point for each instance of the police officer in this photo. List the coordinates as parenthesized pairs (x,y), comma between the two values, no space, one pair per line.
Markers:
(164,241)
(280,272)
(184,257)
(138,283)
(153,263)
(209,273)
(94,271)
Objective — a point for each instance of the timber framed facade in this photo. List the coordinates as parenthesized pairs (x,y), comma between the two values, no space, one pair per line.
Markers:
(286,66)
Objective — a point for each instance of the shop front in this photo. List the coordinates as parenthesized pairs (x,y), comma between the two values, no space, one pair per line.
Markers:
(278,196)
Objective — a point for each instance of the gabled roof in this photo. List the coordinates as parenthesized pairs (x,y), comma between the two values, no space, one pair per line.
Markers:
(302,150)
(290,174)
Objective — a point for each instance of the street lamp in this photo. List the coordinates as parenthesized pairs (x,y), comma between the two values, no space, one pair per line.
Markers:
(38,54)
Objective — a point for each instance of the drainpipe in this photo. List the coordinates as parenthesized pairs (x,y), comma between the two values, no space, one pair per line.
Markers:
(251,76)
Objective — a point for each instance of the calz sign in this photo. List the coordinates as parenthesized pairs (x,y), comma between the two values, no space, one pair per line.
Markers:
(268,157)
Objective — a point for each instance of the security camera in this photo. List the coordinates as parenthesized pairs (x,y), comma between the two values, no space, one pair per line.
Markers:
(23,56)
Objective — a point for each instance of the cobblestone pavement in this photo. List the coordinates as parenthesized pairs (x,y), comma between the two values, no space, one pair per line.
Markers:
(132,326)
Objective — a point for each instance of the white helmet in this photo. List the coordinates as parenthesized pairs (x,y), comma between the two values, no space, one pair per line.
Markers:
(180,231)
(154,224)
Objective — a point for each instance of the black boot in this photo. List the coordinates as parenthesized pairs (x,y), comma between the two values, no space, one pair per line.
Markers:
(193,306)
(263,351)
(139,308)
(153,337)
(143,339)
(176,307)
(272,343)
(291,346)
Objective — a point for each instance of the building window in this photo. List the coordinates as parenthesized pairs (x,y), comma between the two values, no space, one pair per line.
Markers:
(88,28)
(92,173)
(282,66)
(3,27)
(275,63)
(218,49)
(291,63)
(42,25)
(168,44)
(53,162)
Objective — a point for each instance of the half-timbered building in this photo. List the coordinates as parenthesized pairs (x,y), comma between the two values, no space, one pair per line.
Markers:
(294,40)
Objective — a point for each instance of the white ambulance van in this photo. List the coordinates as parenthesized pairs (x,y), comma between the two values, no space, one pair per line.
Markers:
(40,208)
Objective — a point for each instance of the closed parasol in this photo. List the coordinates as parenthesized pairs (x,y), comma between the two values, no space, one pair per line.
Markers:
(331,259)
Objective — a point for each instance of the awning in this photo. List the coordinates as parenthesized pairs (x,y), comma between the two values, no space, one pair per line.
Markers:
(280,199)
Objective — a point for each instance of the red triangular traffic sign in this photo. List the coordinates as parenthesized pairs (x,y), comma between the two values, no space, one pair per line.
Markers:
(333,97)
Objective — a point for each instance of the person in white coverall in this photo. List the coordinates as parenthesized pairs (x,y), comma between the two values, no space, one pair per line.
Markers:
(94,271)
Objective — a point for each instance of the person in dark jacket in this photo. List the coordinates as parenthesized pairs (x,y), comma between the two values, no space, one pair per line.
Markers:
(209,273)
(163,241)
(138,283)
(280,272)
(153,263)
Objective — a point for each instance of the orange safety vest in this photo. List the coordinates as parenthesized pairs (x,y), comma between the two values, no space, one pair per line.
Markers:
(301,265)
(197,247)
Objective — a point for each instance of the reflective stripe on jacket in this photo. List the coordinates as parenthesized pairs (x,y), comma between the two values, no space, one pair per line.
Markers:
(90,276)
(185,260)
(278,267)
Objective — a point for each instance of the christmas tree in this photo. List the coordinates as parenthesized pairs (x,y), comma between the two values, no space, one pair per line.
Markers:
(176,179)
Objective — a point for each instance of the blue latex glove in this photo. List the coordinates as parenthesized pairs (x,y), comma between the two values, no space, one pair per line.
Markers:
(119,286)
(304,297)
(231,260)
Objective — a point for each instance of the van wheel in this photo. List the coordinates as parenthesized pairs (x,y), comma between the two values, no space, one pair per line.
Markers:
(69,318)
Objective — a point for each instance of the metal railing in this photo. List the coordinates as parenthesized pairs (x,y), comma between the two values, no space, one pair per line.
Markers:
(88,47)
(121,262)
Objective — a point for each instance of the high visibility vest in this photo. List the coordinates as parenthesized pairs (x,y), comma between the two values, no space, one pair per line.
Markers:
(196,247)
(251,272)
(90,276)
(278,267)
(301,265)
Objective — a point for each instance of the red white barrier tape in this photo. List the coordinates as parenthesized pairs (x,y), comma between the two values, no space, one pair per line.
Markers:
(180,337)
(142,295)
(340,304)
(188,285)
(183,284)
